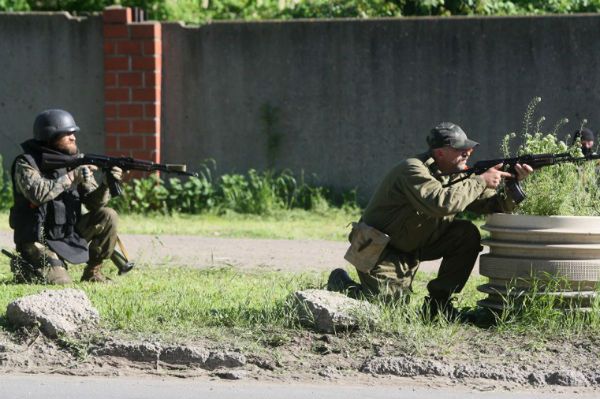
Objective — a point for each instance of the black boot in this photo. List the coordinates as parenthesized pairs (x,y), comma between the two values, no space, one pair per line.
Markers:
(340,281)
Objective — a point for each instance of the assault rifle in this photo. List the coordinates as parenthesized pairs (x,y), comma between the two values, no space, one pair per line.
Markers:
(70,162)
(512,185)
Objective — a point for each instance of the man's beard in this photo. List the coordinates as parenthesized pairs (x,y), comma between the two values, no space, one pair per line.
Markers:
(586,151)
(68,150)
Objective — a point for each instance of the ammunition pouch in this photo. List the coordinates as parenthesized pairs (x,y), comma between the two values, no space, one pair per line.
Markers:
(366,246)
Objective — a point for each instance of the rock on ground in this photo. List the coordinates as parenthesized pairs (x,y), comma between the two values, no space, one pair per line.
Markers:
(330,311)
(56,312)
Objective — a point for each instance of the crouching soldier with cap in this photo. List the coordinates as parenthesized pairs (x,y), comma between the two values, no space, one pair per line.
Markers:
(49,227)
(411,218)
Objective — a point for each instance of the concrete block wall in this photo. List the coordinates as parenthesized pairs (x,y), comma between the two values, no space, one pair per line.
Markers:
(50,60)
(132,85)
(344,99)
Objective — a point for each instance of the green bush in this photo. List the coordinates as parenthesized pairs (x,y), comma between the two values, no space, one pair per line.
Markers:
(6,197)
(252,193)
(563,189)
(201,11)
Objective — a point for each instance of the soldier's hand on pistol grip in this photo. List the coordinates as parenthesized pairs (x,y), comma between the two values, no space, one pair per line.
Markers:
(115,172)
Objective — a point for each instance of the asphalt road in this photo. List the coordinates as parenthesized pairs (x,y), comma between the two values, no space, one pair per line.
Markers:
(69,387)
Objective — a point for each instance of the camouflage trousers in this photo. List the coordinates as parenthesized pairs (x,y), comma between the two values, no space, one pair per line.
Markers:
(98,228)
(394,274)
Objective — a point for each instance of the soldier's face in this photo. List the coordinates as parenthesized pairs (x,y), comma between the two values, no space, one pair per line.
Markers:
(587,144)
(66,144)
(450,159)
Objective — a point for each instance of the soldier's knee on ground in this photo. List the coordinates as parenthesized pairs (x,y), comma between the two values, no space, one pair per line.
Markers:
(384,286)
(41,265)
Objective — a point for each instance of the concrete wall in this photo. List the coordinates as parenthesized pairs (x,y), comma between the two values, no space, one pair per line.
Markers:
(344,100)
(50,60)
(352,98)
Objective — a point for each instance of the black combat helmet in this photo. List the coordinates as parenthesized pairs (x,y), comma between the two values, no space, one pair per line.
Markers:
(51,123)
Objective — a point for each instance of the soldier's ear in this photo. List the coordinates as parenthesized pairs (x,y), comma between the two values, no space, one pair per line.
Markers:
(437,152)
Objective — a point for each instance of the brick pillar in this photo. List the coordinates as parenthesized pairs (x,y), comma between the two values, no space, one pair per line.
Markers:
(132,78)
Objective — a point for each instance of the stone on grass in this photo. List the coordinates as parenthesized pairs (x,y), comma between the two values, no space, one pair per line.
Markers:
(330,311)
(56,312)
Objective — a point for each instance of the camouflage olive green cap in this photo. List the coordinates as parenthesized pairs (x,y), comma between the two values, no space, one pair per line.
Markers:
(448,134)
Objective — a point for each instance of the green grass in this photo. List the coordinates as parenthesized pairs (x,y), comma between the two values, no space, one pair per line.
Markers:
(294,224)
(175,303)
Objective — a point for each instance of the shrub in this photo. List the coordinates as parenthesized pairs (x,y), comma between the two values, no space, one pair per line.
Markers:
(6,197)
(253,193)
(563,189)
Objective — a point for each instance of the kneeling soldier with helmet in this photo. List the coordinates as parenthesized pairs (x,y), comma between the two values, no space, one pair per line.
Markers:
(49,227)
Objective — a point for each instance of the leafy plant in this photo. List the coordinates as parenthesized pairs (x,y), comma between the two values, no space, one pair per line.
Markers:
(6,197)
(252,193)
(564,189)
(203,11)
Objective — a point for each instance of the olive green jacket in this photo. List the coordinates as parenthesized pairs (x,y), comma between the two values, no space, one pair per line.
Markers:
(412,207)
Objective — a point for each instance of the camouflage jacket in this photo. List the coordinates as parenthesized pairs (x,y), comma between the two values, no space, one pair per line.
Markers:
(412,206)
(39,189)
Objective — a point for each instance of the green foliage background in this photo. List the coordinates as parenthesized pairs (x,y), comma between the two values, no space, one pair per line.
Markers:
(563,189)
(258,193)
(202,11)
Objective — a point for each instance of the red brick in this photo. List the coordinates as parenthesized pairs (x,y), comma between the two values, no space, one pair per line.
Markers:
(146,30)
(156,155)
(152,110)
(146,94)
(152,79)
(148,155)
(132,142)
(145,63)
(153,141)
(116,95)
(116,126)
(114,153)
(129,47)
(116,63)
(145,126)
(131,79)
(115,31)
(131,110)
(110,111)
(117,15)
(141,154)
(152,47)
(109,47)
(110,142)
(110,79)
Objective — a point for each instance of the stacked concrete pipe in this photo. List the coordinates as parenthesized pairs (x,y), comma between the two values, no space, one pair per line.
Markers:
(534,255)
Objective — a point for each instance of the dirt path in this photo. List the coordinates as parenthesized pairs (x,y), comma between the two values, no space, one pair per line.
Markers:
(243,253)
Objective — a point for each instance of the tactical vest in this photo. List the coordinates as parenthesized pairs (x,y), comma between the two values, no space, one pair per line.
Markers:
(53,222)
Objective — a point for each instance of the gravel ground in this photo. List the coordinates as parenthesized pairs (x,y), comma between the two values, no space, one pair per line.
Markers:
(243,253)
